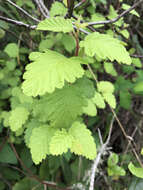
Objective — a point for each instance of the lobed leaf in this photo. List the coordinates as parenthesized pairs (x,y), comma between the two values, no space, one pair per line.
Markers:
(105,47)
(60,142)
(18,117)
(63,106)
(56,24)
(39,142)
(49,70)
(83,143)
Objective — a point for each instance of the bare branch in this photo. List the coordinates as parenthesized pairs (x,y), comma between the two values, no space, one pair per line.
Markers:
(137,56)
(98,158)
(118,17)
(79,4)
(16,22)
(23,11)
(42,8)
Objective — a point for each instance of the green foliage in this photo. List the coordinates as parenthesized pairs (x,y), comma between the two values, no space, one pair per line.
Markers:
(12,50)
(79,145)
(49,70)
(39,142)
(138,172)
(27,184)
(125,7)
(98,44)
(56,24)
(60,142)
(113,169)
(57,108)
(58,9)
(56,142)
(107,89)
(7,155)
(18,117)
(136,184)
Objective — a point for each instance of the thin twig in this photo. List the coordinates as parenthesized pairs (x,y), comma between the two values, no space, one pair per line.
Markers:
(23,11)
(118,17)
(137,56)
(90,69)
(17,22)
(79,4)
(98,158)
(42,8)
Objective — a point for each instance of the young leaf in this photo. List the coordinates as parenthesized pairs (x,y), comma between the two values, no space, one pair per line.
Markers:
(99,100)
(56,24)
(116,171)
(138,172)
(105,87)
(110,99)
(28,132)
(109,68)
(49,70)
(90,109)
(18,117)
(39,142)
(60,142)
(105,47)
(58,9)
(12,50)
(125,7)
(83,143)
(113,159)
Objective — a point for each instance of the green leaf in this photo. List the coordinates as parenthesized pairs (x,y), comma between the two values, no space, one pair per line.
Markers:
(138,172)
(136,184)
(113,14)
(105,87)
(90,109)
(109,68)
(99,100)
(27,184)
(116,171)
(105,47)
(12,50)
(56,24)
(113,159)
(124,32)
(137,62)
(82,140)
(58,9)
(18,117)
(60,142)
(110,99)
(138,87)
(29,128)
(63,106)
(125,7)
(39,142)
(49,70)
(69,42)
(7,155)
(125,99)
